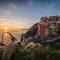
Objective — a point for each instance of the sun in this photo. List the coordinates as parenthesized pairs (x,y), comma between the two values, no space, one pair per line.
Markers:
(5,29)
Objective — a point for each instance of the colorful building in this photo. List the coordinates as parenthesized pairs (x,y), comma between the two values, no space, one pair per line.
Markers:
(47,27)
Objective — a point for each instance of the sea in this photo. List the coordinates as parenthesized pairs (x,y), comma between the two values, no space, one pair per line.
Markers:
(7,37)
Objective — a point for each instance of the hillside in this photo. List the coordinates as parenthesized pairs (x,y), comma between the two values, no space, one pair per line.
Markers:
(53,29)
(33,30)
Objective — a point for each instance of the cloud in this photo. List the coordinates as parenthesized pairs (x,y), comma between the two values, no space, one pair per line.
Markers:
(17,2)
(24,2)
(5,21)
(15,11)
(8,22)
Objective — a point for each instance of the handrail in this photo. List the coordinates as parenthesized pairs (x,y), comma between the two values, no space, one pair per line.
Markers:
(12,37)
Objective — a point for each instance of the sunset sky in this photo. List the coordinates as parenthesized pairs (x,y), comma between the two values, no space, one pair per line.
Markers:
(24,13)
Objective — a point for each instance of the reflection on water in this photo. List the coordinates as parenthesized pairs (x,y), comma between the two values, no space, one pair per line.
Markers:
(6,36)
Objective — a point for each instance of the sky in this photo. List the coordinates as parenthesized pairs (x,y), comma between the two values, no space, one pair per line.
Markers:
(25,13)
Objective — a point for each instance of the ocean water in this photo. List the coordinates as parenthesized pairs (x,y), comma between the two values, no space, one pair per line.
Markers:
(7,37)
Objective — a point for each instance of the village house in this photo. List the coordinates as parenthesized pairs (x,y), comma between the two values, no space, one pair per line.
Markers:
(48,27)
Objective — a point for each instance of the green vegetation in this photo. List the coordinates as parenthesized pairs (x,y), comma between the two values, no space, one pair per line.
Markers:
(34,52)
(1,51)
(32,31)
